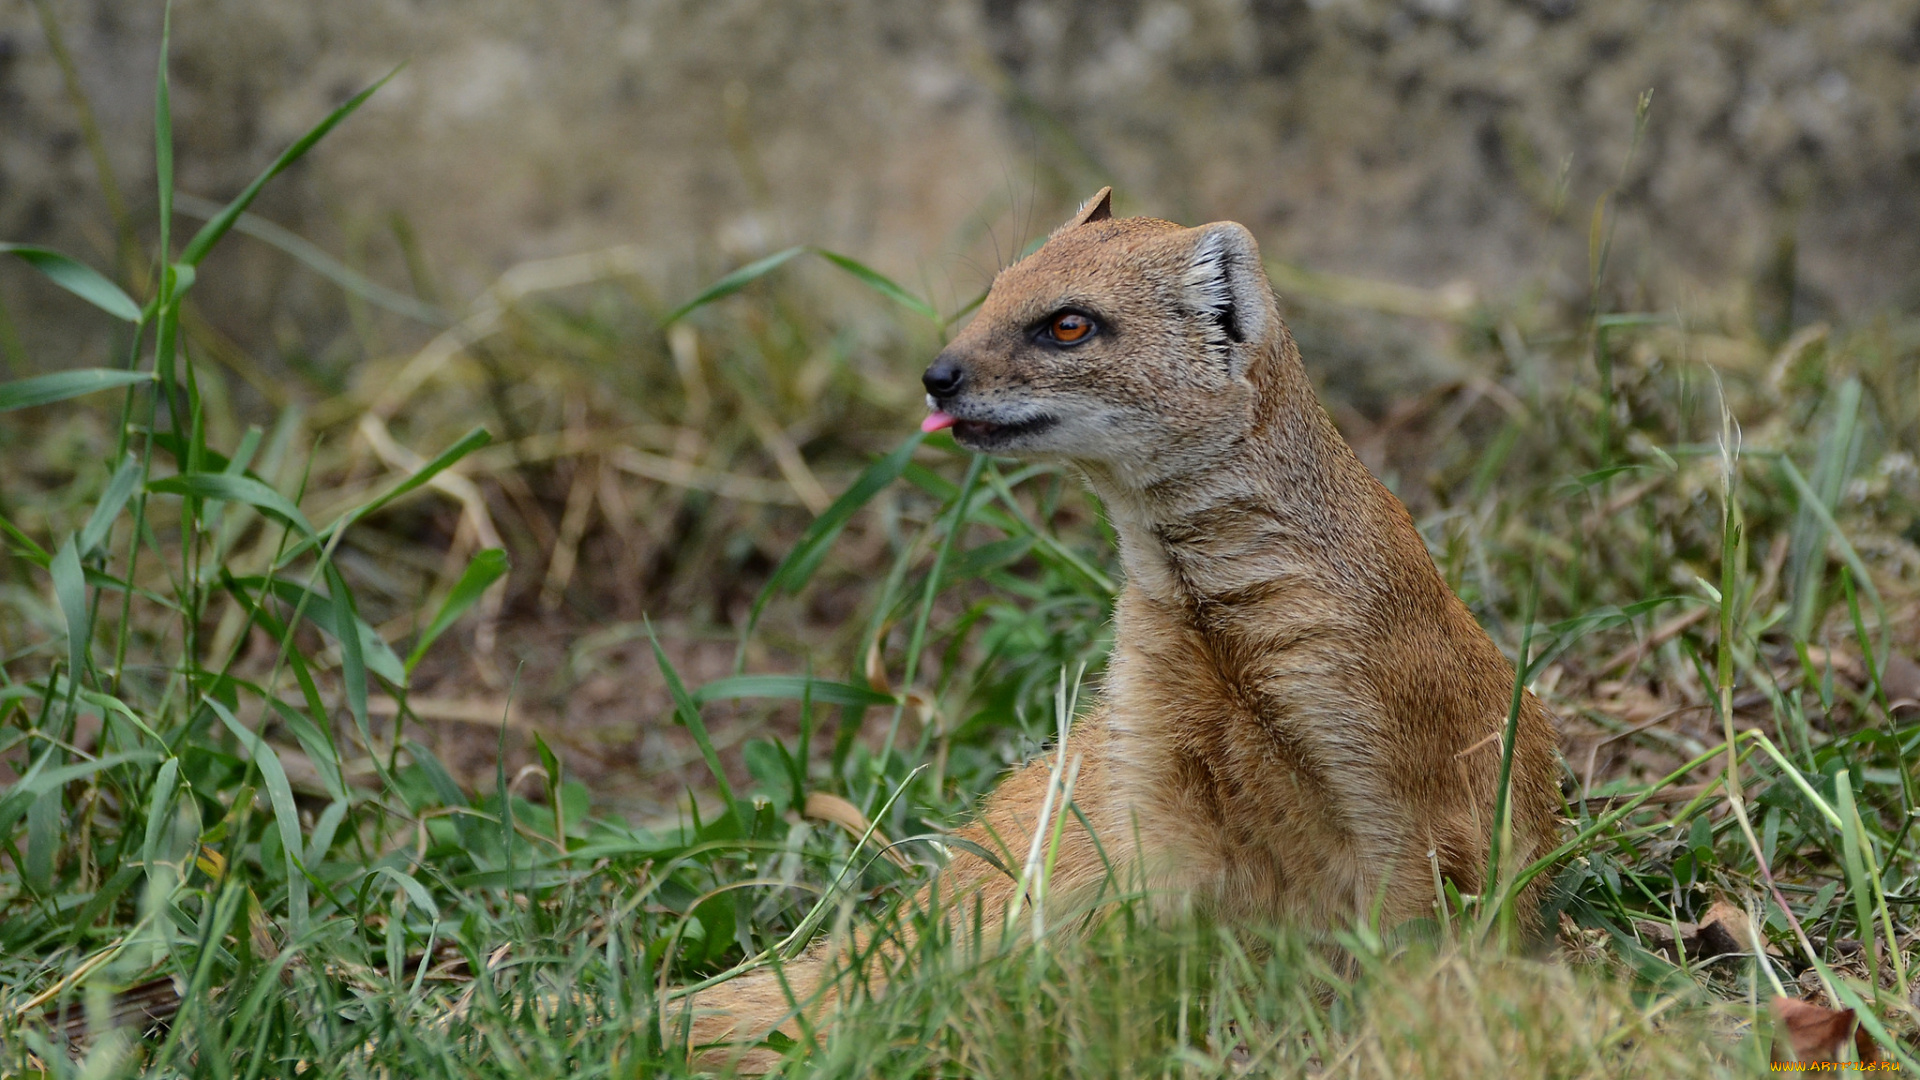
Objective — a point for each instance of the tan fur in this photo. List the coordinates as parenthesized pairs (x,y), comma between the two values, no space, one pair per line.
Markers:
(1298,710)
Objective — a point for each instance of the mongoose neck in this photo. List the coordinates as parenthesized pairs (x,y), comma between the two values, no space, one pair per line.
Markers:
(1288,501)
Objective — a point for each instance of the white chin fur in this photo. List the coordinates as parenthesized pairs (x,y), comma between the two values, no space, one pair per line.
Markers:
(1095,435)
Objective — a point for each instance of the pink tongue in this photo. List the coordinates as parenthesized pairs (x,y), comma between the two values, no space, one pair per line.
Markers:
(936,422)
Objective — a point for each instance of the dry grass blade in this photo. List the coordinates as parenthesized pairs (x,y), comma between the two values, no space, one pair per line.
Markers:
(834,810)
(678,473)
(488,312)
(806,487)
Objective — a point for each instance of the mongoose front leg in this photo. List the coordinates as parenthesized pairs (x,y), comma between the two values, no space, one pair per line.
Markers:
(1072,867)
(971,897)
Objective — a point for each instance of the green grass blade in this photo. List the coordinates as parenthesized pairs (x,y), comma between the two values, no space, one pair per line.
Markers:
(936,575)
(40,779)
(797,568)
(324,612)
(1794,776)
(353,663)
(212,231)
(240,489)
(103,900)
(328,824)
(550,762)
(281,633)
(1812,501)
(163,135)
(485,568)
(112,501)
(70,587)
(166,342)
(1876,879)
(733,283)
(417,893)
(285,813)
(27,549)
(1503,791)
(314,258)
(318,745)
(689,713)
(1019,523)
(180,279)
(77,278)
(881,284)
(988,557)
(446,791)
(44,817)
(159,812)
(61,385)
(790,688)
(108,704)
(1833,460)
(467,444)
(215,920)
(966,309)
(1859,887)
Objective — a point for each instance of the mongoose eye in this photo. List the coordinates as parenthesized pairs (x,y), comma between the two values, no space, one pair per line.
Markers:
(1069,327)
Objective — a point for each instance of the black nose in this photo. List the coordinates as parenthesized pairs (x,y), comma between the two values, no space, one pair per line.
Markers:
(943,377)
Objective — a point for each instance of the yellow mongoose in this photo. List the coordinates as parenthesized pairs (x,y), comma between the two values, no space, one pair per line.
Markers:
(1299,717)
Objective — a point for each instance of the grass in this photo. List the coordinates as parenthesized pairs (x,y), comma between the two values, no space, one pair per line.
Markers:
(228,846)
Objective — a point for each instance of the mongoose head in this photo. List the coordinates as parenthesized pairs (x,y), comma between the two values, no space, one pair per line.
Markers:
(1129,346)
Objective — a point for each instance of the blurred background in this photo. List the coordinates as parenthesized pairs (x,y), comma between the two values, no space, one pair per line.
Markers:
(1428,142)
(1420,172)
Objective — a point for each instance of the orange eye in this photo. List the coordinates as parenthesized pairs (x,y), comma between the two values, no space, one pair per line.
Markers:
(1069,327)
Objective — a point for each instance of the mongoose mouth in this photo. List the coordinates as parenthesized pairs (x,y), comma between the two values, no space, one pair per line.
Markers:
(985,435)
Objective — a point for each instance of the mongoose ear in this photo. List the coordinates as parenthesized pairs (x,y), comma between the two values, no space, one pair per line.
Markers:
(1098,208)
(1226,283)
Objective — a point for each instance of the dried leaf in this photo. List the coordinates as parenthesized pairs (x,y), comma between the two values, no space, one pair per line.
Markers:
(835,810)
(877,668)
(822,806)
(1845,663)
(1809,1032)
(1901,680)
